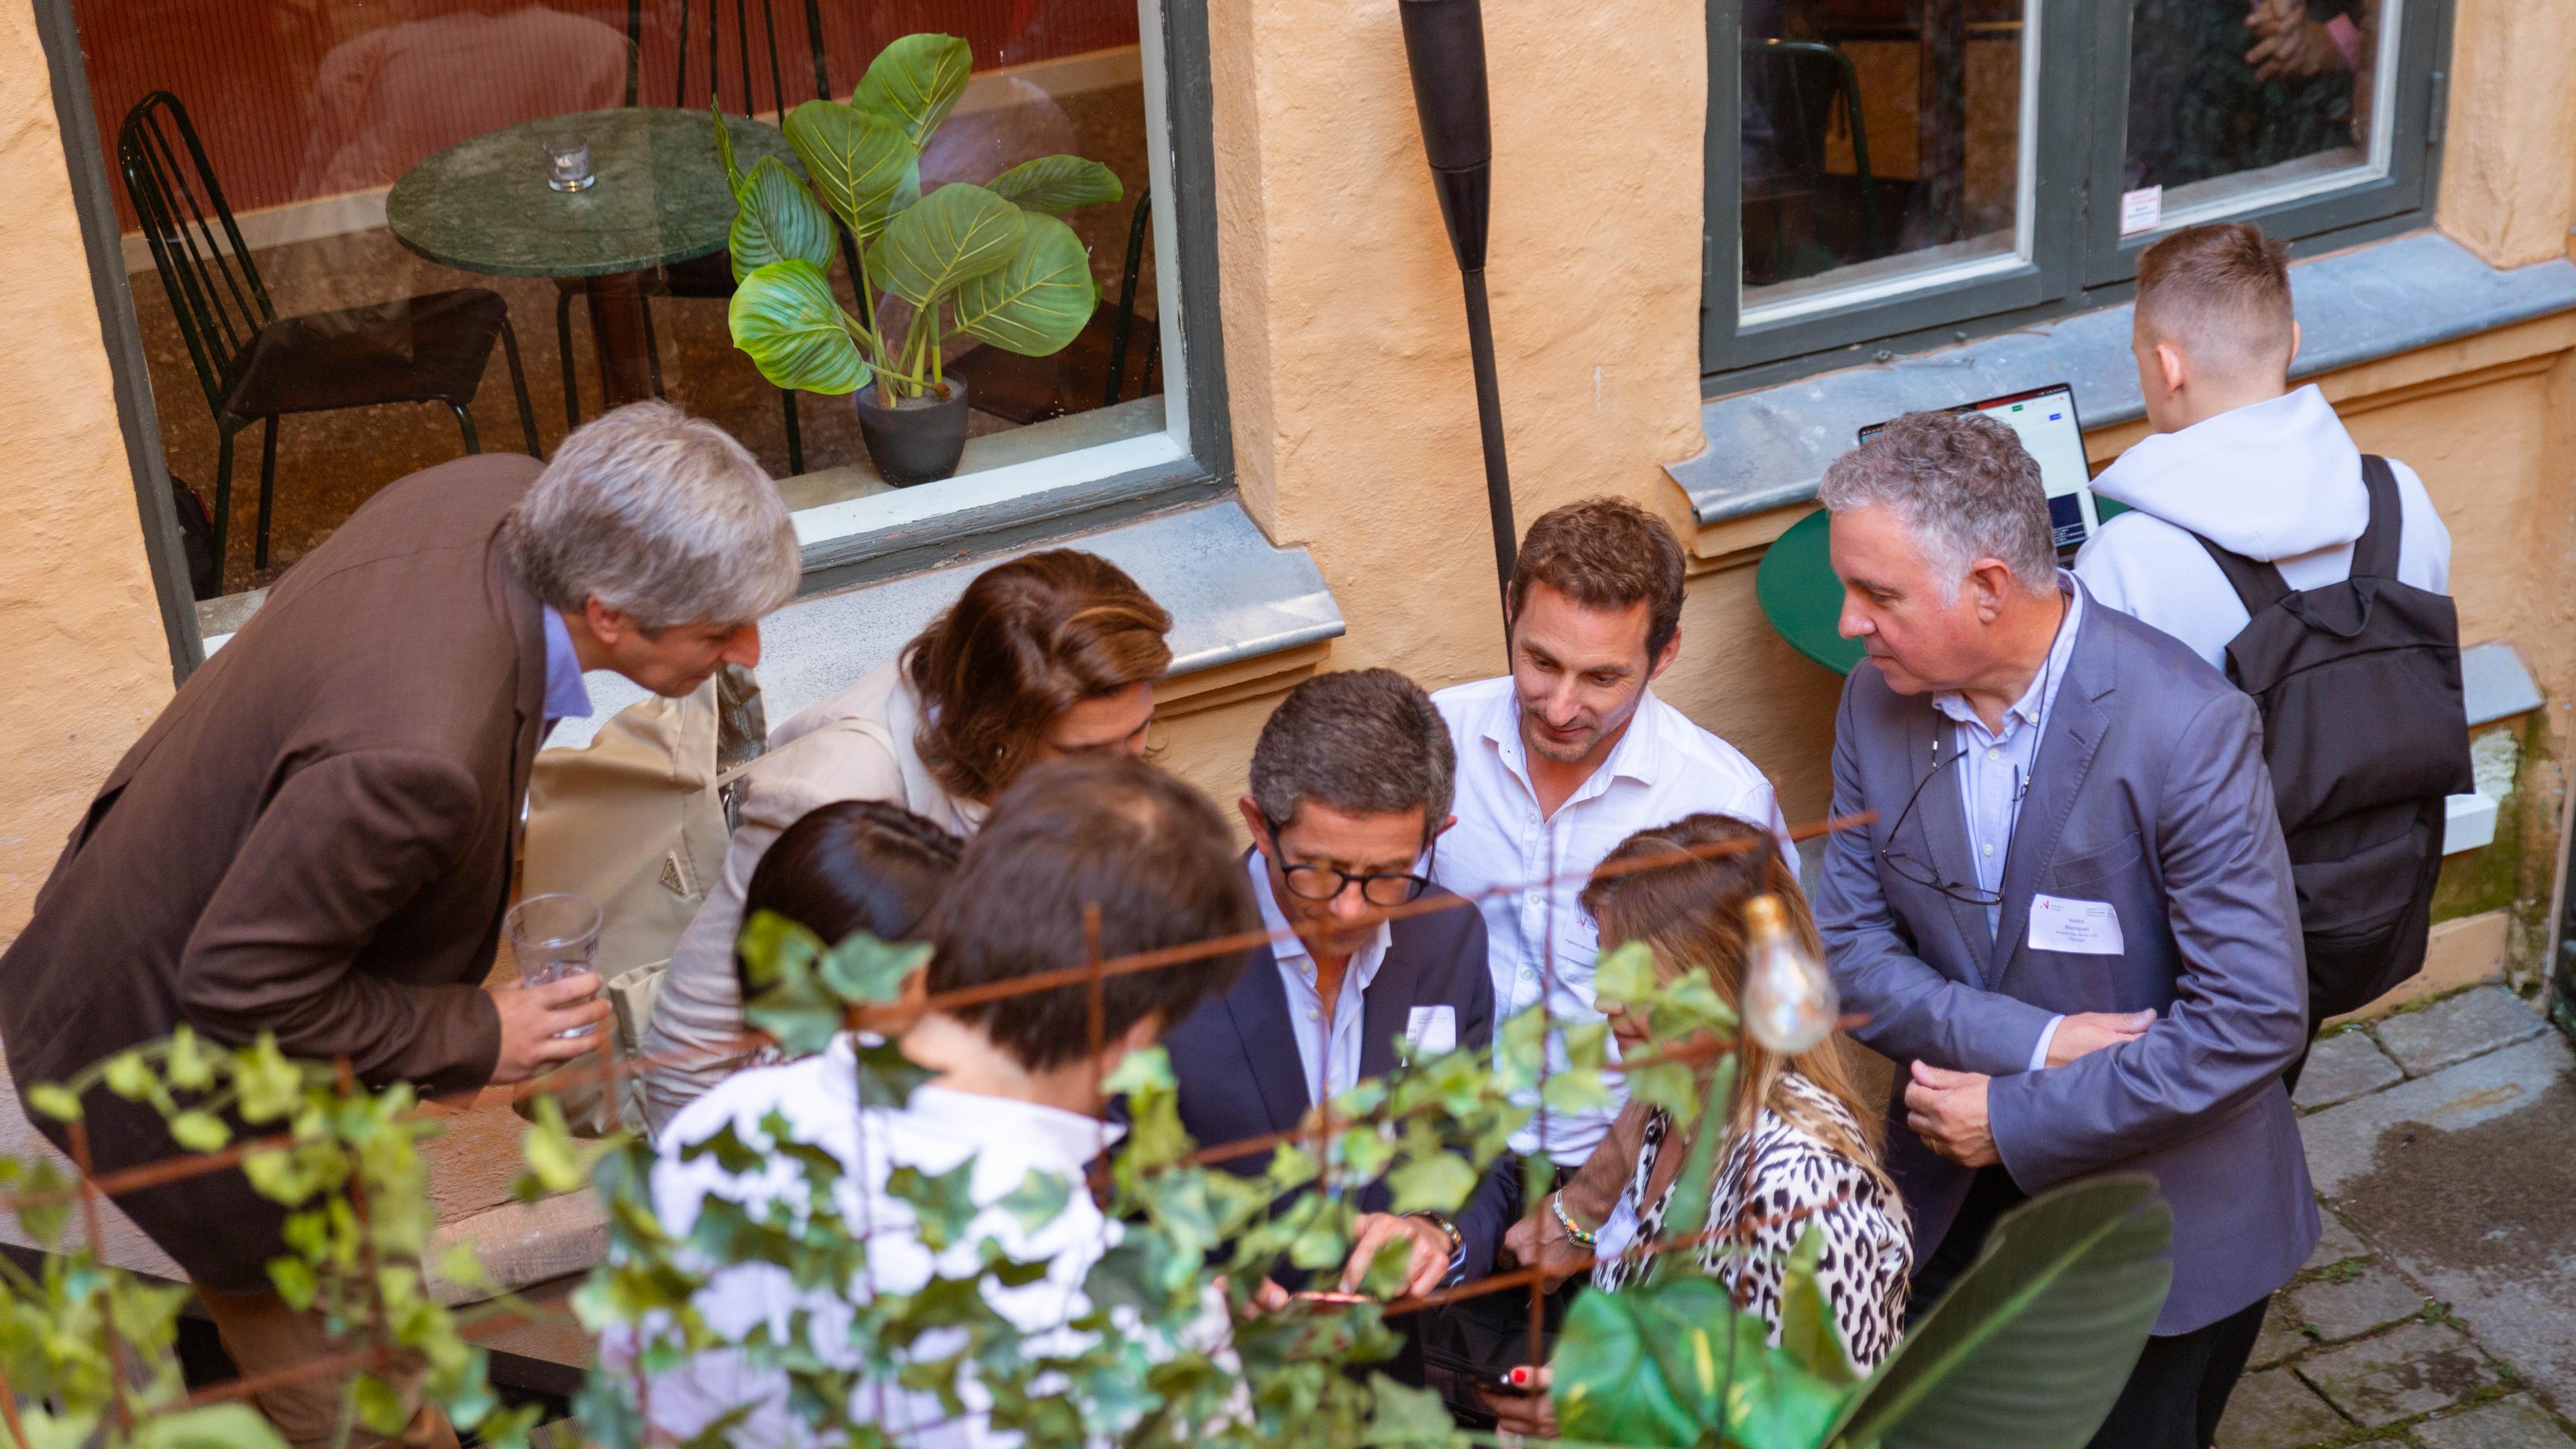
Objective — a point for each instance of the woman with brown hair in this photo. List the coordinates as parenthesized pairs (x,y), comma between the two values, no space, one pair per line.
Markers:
(1801,1143)
(1044,657)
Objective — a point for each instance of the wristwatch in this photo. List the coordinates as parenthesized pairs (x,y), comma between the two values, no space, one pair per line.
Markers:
(1457,1242)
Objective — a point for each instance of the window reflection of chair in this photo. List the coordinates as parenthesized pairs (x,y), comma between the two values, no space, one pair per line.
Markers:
(258,367)
(1801,82)
(709,277)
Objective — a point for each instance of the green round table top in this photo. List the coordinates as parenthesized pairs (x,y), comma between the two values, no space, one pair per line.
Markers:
(1804,601)
(482,205)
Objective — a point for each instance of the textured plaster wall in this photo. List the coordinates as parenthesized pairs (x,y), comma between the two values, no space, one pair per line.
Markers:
(86,662)
(1346,354)
(2509,158)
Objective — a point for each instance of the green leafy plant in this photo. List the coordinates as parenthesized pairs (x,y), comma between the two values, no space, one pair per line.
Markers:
(994,262)
(2029,1348)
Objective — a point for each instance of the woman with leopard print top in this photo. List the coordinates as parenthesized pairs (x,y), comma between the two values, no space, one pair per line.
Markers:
(1800,1148)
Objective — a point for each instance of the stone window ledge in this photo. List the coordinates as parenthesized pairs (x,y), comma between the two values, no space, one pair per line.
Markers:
(1768,448)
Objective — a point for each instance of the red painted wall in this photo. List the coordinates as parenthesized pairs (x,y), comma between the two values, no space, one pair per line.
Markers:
(304,98)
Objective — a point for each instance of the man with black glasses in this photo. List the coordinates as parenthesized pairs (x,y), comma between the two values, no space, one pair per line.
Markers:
(2072,923)
(1351,784)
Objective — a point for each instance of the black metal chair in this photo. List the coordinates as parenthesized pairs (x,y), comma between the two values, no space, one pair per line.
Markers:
(709,277)
(257,366)
(1798,66)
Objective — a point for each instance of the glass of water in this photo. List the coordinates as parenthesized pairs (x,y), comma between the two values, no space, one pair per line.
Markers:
(568,161)
(554,936)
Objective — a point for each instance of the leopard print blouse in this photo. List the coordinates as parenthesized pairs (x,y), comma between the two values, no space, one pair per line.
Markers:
(1771,1185)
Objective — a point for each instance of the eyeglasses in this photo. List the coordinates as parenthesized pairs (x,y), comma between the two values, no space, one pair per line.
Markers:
(1928,876)
(1309,882)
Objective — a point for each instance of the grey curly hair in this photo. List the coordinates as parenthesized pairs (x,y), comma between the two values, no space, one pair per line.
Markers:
(1963,486)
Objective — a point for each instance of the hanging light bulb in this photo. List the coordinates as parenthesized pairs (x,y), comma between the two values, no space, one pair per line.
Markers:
(1789,1002)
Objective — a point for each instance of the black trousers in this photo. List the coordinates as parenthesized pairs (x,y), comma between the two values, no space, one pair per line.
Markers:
(2178,1389)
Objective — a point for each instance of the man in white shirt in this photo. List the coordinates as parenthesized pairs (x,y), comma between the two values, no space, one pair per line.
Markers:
(1570,754)
(2236,457)
(1016,1090)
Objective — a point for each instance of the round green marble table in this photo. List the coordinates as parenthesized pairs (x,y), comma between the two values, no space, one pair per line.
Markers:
(482,205)
(1804,601)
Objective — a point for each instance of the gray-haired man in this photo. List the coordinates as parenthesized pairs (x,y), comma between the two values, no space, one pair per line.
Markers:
(315,837)
(2072,923)
(1351,784)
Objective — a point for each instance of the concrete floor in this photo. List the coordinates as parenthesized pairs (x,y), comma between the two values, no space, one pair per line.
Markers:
(2440,1310)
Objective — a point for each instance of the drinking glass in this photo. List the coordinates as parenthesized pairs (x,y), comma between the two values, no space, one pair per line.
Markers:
(554,936)
(568,161)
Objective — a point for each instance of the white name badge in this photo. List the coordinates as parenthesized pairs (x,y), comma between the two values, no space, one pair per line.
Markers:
(2087,928)
(1431,1030)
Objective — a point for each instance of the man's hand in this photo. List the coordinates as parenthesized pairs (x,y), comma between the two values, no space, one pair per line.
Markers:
(2090,1031)
(1430,1261)
(2290,46)
(1539,1241)
(1948,1111)
(533,1018)
(1531,1415)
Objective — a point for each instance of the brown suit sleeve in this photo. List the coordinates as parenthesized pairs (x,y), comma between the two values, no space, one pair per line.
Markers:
(344,844)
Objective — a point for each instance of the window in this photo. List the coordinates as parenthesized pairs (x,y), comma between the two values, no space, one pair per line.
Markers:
(363,236)
(1880,168)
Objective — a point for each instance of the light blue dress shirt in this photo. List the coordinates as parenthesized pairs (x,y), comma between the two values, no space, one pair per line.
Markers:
(566,696)
(1330,1052)
(1995,765)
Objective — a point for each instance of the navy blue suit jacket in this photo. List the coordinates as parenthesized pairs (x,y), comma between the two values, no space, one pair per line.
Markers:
(1240,1076)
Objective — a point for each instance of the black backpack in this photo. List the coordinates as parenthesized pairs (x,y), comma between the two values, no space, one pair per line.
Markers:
(2366,732)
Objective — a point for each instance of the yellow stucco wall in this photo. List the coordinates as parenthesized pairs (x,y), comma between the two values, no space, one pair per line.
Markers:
(86,662)
(2509,152)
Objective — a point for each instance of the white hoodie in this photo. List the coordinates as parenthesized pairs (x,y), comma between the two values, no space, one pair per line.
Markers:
(2278,481)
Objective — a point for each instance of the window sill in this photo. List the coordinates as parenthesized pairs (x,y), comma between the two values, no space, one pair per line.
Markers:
(1238,603)
(1768,448)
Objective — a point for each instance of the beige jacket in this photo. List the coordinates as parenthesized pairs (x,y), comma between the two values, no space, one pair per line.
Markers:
(857,745)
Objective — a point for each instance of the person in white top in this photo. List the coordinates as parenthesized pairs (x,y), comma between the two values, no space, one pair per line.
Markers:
(1570,754)
(2237,457)
(1016,1090)
(1043,657)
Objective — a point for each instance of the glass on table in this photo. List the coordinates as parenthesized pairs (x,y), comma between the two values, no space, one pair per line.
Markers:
(554,936)
(1880,148)
(567,156)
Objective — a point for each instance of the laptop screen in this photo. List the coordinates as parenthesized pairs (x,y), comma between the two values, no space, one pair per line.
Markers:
(2046,422)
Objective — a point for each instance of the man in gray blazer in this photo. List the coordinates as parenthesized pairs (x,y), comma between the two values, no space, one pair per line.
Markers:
(2072,923)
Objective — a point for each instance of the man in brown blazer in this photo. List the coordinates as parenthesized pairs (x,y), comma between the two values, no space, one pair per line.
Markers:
(315,838)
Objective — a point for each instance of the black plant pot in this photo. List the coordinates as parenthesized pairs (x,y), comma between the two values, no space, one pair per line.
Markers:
(919,439)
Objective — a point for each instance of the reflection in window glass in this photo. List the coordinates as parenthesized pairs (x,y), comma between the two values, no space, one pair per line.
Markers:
(2231,100)
(352,337)
(1881,142)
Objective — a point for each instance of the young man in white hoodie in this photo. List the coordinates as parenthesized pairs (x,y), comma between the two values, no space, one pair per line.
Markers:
(2237,456)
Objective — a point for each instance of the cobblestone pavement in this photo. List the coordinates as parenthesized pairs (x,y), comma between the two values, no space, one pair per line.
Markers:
(2440,1308)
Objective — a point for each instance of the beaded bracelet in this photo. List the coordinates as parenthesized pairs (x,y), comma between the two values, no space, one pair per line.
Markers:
(1566,1220)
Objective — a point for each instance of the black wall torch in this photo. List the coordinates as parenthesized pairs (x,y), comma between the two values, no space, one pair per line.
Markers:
(1444,42)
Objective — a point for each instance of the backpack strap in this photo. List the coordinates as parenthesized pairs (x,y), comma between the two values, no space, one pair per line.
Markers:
(2258,585)
(2374,554)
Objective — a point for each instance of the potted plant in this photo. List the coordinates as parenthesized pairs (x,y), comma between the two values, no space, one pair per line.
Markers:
(993,262)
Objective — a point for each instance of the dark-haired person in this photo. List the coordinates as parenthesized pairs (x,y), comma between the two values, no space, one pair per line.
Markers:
(848,867)
(1043,657)
(1351,782)
(1016,1089)
(1571,753)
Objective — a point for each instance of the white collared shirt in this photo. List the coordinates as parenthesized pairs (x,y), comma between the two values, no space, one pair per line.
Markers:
(1995,768)
(1008,1141)
(1330,1052)
(1662,769)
